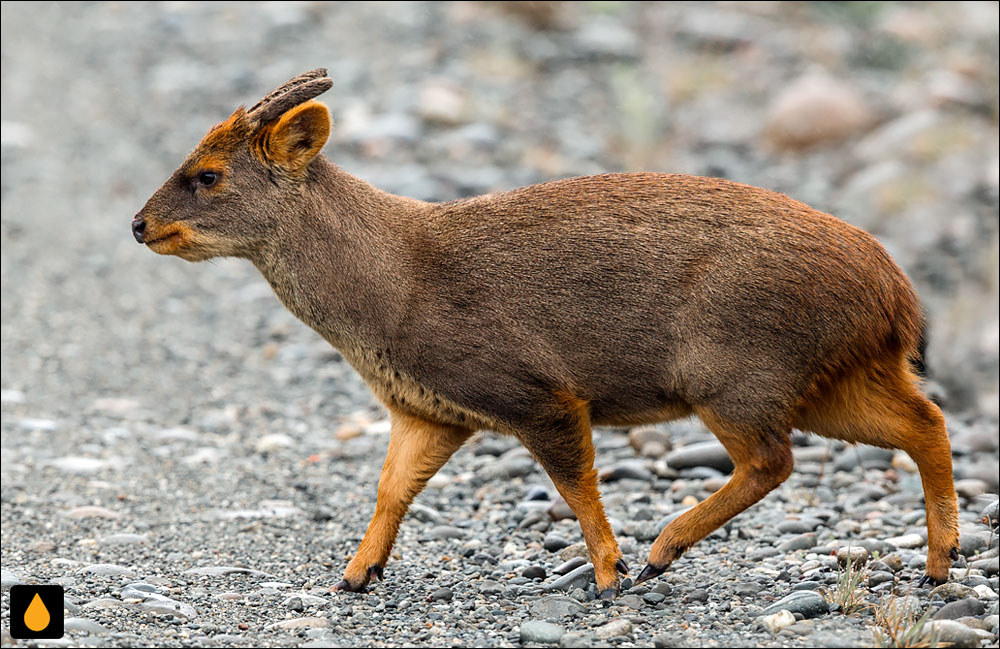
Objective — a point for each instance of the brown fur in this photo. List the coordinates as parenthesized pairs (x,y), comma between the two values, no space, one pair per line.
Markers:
(605,300)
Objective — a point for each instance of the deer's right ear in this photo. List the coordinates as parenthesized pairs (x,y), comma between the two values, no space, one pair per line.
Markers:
(296,137)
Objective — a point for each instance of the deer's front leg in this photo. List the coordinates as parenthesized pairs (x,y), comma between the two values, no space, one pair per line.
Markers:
(417,449)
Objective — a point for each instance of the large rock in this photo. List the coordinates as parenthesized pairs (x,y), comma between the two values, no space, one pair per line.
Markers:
(815,110)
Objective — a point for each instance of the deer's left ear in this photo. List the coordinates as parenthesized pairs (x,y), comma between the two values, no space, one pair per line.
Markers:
(296,137)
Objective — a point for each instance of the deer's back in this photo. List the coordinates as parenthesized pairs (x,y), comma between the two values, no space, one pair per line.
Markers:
(637,292)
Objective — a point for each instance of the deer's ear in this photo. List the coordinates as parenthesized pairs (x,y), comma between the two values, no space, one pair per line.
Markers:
(297,136)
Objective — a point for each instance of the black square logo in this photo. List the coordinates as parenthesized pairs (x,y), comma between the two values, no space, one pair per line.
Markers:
(36,612)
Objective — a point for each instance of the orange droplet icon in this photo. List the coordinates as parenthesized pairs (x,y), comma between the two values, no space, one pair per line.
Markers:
(36,617)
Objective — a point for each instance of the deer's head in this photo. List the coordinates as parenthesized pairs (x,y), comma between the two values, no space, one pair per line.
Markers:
(245,175)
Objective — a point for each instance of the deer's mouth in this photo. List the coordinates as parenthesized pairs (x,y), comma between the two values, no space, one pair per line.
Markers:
(170,239)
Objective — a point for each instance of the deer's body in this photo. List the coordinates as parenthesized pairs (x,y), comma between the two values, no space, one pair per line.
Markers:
(618,299)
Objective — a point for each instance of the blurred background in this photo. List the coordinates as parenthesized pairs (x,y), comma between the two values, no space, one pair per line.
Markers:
(882,113)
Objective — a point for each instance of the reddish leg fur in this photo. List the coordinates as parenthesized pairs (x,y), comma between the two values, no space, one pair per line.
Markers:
(417,449)
(762,459)
(883,407)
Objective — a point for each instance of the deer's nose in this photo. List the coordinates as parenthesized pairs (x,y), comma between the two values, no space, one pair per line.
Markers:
(138,227)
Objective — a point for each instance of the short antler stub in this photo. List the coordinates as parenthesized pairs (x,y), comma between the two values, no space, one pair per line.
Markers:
(288,95)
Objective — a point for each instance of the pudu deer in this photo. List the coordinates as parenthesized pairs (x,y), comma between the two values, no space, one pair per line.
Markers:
(610,300)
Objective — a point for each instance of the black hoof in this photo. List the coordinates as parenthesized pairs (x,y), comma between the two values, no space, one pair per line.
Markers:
(927,579)
(375,572)
(953,554)
(621,566)
(648,573)
(346,586)
(608,594)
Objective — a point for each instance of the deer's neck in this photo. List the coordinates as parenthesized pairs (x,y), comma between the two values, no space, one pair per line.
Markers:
(339,260)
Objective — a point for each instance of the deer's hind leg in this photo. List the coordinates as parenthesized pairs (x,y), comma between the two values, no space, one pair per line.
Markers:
(762,456)
(881,406)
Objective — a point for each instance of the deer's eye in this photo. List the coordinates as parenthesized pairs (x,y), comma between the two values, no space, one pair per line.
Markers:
(207,178)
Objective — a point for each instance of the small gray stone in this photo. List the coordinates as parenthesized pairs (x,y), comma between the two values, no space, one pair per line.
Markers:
(445,532)
(697,595)
(555,607)
(712,454)
(990,567)
(808,603)
(536,631)
(9,578)
(631,601)
(614,628)
(969,543)
(800,542)
(83,625)
(569,565)
(533,572)
(559,510)
(553,542)
(969,606)
(490,587)
(442,595)
(424,513)
(573,641)
(653,598)
(951,591)
(579,578)
(106,570)
(747,589)
(123,539)
(989,515)
(955,634)
(222,571)
(627,470)
(575,550)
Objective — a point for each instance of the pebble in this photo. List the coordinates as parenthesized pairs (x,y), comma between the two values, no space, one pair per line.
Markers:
(808,603)
(969,488)
(536,631)
(441,595)
(569,565)
(273,442)
(577,578)
(445,532)
(989,514)
(710,454)
(84,625)
(93,511)
(533,572)
(627,470)
(613,629)
(555,607)
(301,623)
(553,542)
(971,543)
(954,634)
(559,510)
(907,541)
(222,571)
(573,551)
(970,606)
(800,542)
(123,539)
(952,591)
(106,570)
(855,554)
(813,110)
(777,621)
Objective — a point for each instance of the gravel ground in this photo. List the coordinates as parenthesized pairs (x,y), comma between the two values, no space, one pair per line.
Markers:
(195,466)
